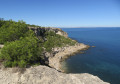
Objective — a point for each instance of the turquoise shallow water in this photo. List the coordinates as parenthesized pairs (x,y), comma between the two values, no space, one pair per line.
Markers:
(103,60)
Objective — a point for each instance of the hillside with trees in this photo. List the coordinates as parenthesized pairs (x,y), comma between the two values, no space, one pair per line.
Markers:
(22,48)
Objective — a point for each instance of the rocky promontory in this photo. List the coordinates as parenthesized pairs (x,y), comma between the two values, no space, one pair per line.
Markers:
(64,53)
(44,74)
(41,30)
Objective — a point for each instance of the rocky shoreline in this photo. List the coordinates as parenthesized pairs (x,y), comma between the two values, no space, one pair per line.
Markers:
(63,53)
(46,75)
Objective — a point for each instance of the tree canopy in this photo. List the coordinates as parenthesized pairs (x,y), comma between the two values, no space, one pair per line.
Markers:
(11,30)
(22,47)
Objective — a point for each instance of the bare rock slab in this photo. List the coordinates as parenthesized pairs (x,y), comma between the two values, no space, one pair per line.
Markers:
(46,75)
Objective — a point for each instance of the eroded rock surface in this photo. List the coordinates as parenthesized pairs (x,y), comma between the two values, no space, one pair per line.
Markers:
(39,31)
(63,53)
(45,75)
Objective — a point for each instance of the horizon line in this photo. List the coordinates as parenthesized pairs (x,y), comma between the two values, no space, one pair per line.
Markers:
(82,27)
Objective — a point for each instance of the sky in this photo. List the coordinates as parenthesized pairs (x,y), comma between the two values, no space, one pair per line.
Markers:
(63,13)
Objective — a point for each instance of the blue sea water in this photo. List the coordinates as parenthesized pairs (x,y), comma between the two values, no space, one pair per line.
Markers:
(103,60)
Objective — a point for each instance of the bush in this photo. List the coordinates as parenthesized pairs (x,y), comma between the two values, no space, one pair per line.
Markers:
(11,30)
(55,40)
(21,52)
(22,47)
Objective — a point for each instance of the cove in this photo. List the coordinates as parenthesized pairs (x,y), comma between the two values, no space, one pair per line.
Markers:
(103,60)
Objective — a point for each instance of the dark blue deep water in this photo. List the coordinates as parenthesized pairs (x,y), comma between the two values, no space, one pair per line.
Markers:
(103,60)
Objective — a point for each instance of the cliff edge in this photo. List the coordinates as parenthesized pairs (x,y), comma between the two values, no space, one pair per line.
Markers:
(44,74)
(40,30)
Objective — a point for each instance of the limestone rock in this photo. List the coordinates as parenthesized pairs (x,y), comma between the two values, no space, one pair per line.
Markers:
(39,31)
(45,75)
(54,61)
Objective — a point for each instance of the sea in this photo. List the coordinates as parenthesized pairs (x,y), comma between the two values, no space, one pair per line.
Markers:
(103,60)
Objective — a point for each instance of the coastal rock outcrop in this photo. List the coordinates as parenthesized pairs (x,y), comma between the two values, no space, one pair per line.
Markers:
(39,31)
(62,53)
(45,75)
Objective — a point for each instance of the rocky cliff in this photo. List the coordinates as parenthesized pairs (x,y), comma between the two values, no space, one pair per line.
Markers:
(64,52)
(39,31)
(44,75)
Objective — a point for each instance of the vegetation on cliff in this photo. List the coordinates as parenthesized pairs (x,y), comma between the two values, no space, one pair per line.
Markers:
(22,47)
(11,30)
(55,40)
(22,52)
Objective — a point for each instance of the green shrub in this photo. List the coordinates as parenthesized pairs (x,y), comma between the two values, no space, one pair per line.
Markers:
(21,52)
(22,47)
(55,40)
(11,30)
